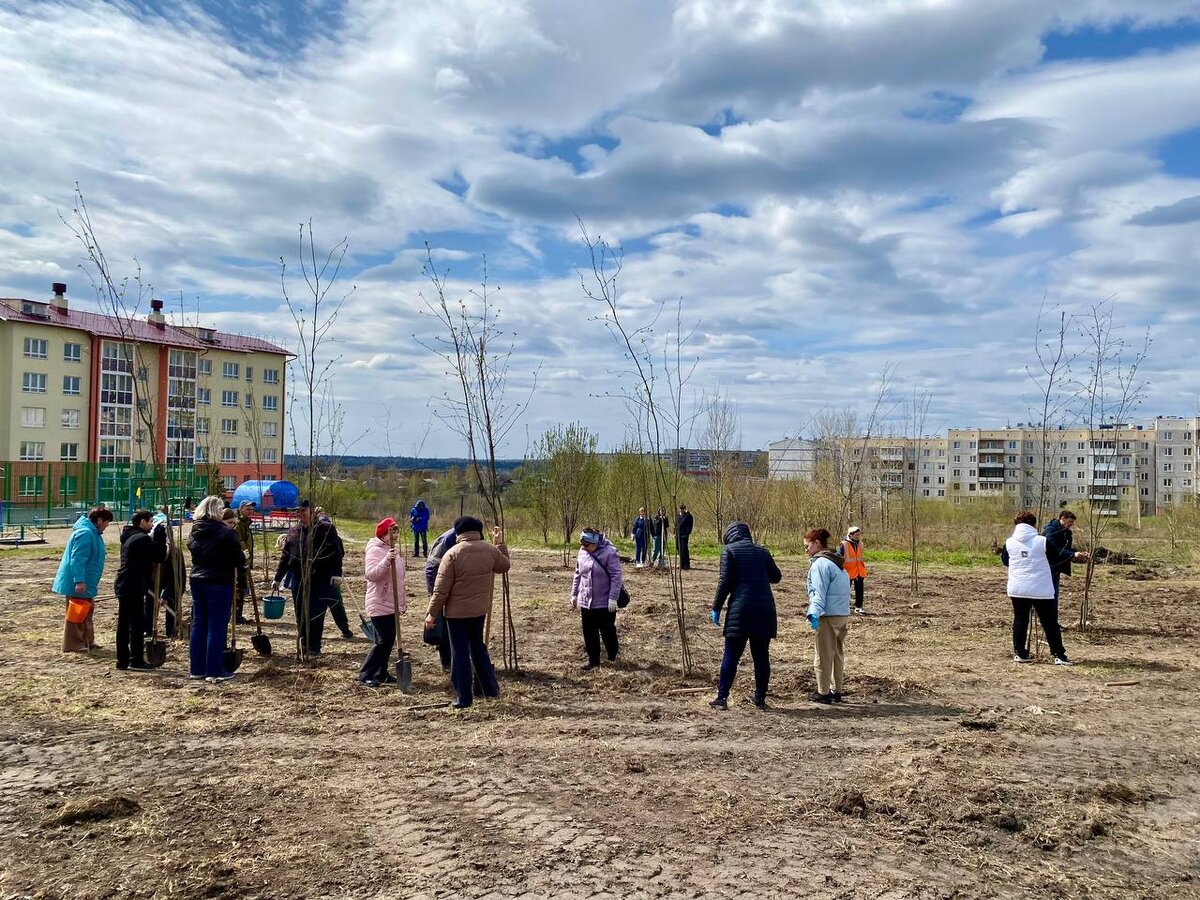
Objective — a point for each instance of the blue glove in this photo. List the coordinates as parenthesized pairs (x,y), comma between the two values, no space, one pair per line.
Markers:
(814,620)
(715,615)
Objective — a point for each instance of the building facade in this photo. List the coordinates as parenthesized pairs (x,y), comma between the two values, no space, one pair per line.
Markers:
(103,394)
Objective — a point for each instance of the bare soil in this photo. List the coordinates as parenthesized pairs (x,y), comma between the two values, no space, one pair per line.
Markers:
(949,772)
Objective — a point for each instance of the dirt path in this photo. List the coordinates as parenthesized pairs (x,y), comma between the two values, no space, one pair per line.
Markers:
(949,772)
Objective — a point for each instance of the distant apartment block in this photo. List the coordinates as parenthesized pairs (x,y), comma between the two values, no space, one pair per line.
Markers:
(89,387)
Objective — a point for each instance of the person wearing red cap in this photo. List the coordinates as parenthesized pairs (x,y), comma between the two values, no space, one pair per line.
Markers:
(383,561)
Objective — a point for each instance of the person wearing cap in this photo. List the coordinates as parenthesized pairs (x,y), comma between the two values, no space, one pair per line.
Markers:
(851,552)
(462,593)
(594,592)
(312,559)
(383,566)
(245,535)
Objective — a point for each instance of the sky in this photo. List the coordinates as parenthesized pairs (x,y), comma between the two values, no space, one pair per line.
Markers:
(819,191)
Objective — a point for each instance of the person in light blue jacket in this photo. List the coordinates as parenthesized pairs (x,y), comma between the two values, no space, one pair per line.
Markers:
(828,614)
(79,574)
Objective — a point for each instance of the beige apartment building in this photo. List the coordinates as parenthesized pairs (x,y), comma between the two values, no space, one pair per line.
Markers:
(84,387)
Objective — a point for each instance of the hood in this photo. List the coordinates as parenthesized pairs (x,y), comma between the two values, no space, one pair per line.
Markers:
(736,531)
(129,531)
(1024,534)
(206,528)
(420,504)
(834,558)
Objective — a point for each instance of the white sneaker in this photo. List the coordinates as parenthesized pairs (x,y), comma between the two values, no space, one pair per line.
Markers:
(1062,661)
(1017,658)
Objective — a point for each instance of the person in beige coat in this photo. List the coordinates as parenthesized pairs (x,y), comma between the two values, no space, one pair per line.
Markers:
(462,594)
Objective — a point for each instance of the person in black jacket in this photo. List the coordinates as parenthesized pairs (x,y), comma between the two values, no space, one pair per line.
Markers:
(683,531)
(1060,546)
(140,553)
(312,556)
(747,573)
(216,557)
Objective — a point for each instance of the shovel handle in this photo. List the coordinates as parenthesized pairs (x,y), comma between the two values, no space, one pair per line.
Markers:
(396,603)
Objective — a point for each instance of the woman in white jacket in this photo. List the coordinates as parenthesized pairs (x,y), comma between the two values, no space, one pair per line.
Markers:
(1031,587)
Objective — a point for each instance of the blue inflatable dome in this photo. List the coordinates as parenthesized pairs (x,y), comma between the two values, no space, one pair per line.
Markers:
(267,495)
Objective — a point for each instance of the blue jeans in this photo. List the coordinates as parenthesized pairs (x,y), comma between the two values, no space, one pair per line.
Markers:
(467,648)
(639,544)
(760,650)
(211,606)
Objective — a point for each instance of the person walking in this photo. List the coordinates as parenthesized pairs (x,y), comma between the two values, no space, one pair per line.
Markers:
(418,518)
(383,566)
(828,615)
(1030,558)
(311,559)
(462,593)
(683,533)
(744,588)
(594,592)
(78,577)
(640,532)
(143,546)
(445,541)
(216,557)
(851,551)
(245,533)
(661,531)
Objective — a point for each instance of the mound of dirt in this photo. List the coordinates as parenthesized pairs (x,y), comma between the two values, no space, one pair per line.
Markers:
(93,809)
(851,803)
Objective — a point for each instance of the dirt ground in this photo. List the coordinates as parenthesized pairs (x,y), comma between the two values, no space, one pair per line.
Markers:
(949,772)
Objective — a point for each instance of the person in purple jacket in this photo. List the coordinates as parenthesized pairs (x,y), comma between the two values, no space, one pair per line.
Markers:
(594,592)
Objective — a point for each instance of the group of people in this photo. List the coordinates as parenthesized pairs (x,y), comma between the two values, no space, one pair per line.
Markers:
(651,536)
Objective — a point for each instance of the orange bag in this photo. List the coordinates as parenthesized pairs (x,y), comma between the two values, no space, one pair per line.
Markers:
(78,609)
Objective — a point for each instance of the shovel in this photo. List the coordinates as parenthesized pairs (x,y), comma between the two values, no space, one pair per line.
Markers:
(233,656)
(403,663)
(155,650)
(259,641)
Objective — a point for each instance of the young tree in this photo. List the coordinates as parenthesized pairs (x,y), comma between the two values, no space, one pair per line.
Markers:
(572,475)
(1052,377)
(916,414)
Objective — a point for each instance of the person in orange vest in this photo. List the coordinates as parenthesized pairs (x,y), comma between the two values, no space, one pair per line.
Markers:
(851,551)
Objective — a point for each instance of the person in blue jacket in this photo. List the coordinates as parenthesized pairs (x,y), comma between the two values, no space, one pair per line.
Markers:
(418,518)
(641,534)
(828,614)
(79,574)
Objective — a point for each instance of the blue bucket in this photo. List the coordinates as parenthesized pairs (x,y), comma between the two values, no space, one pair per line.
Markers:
(273,607)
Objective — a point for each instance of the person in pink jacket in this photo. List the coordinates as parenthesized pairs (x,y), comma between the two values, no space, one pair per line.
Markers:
(383,558)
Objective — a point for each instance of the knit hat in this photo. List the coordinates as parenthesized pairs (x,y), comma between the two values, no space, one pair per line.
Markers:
(463,524)
(382,529)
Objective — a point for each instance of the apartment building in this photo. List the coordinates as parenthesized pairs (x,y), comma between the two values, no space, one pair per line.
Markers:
(85,387)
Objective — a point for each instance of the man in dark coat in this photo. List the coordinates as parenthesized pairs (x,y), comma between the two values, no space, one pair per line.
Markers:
(140,553)
(312,554)
(683,531)
(747,573)
(1060,546)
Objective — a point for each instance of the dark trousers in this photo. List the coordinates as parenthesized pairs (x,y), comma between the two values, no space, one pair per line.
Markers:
(375,666)
(337,611)
(1047,613)
(240,594)
(760,651)
(318,602)
(421,543)
(1055,576)
(130,635)
(467,649)
(597,624)
(858,592)
(640,551)
(211,606)
(443,646)
(681,543)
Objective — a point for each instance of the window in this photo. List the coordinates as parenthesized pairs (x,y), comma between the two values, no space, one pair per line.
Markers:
(1030,459)
(204,395)
(229,426)
(271,403)
(1125,476)
(71,385)
(30,486)
(1168,435)
(33,450)
(1187,467)
(68,485)
(270,376)
(68,452)
(202,426)
(204,367)
(268,455)
(1166,451)
(229,398)
(33,417)
(72,352)
(1079,460)
(972,445)
(33,383)
(231,482)
(1166,467)
(201,456)
(35,348)
(70,418)
(229,455)
(941,480)
(248,455)
(249,373)
(1166,481)
(941,493)
(957,458)
(229,370)
(956,473)
(1079,475)
(1012,445)
(270,429)
(958,445)
(1079,446)
(249,401)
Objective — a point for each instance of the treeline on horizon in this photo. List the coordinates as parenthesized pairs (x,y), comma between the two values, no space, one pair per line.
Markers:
(293,462)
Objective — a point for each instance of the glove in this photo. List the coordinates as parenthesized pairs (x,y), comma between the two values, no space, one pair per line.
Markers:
(715,616)
(814,620)
(335,581)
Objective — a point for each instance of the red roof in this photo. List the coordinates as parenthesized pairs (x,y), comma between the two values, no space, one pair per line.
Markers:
(137,329)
